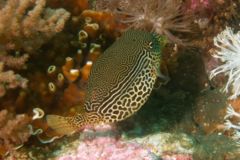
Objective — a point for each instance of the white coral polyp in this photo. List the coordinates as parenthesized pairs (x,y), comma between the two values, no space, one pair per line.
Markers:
(228,52)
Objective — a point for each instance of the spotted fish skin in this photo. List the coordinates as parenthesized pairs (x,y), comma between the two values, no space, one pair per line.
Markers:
(121,79)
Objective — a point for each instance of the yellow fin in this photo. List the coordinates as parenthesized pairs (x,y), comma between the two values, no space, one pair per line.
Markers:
(60,124)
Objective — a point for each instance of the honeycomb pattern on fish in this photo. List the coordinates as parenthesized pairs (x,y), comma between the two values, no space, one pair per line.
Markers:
(120,81)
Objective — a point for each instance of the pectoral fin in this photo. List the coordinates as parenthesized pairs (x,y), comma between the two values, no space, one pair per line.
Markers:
(162,74)
(60,125)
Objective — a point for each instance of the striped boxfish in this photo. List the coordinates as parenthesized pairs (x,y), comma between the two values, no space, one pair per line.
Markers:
(119,83)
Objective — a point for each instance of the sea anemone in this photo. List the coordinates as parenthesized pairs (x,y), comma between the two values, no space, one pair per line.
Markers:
(231,113)
(164,17)
(228,44)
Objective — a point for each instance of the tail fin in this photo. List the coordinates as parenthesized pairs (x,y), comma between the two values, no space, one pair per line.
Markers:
(60,124)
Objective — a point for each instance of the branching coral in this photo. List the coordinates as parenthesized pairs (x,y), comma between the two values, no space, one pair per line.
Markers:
(228,52)
(14,130)
(14,62)
(28,24)
(160,16)
(25,25)
(9,80)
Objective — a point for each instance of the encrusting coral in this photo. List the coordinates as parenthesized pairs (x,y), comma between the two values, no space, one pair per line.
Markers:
(108,148)
(28,24)
(103,143)
(14,130)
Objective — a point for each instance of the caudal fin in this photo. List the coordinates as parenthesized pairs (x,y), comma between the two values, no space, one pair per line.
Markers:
(60,124)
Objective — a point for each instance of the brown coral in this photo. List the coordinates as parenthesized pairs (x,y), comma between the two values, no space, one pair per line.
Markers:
(28,24)
(9,80)
(14,62)
(14,130)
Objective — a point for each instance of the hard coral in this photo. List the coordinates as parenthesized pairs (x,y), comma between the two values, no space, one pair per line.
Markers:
(228,52)
(160,16)
(13,130)
(28,24)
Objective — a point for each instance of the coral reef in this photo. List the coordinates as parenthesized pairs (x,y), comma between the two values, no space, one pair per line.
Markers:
(194,4)
(162,17)
(209,102)
(232,122)
(14,130)
(162,144)
(26,29)
(228,46)
(216,147)
(107,148)
(227,51)
(47,49)
(103,142)
(19,155)
(25,26)
(17,62)
(232,118)
(10,80)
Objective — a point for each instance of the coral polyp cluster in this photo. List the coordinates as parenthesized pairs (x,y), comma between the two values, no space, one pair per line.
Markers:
(26,29)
